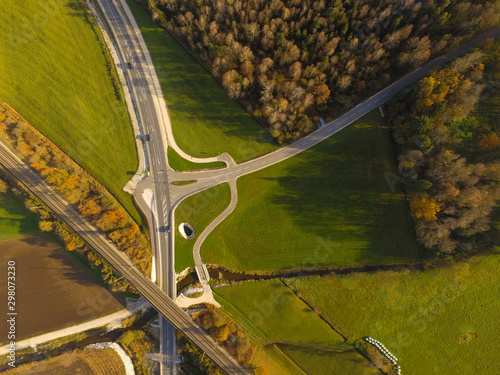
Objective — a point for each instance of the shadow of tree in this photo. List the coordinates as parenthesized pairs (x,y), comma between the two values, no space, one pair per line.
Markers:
(340,194)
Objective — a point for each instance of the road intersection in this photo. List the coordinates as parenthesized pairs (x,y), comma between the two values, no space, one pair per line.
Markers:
(151,110)
(146,87)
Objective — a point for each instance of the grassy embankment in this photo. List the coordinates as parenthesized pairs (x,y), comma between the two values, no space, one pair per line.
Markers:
(328,206)
(205,120)
(442,320)
(14,218)
(291,338)
(179,164)
(198,210)
(54,72)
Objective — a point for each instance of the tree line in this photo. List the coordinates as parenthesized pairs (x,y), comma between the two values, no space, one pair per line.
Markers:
(293,61)
(448,151)
(78,188)
(230,335)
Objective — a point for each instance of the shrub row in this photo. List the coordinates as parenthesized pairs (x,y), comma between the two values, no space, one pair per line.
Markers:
(78,187)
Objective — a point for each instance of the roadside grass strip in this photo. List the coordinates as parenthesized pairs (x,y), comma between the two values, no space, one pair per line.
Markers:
(199,211)
(54,72)
(179,164)
(205,120)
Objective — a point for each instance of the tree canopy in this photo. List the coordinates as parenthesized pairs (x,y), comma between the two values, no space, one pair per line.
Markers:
(293,61)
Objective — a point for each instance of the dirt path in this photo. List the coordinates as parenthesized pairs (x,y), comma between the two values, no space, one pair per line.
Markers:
(111,321)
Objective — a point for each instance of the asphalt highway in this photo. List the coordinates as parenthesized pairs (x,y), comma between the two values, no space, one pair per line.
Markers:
(129,52)
(92,236)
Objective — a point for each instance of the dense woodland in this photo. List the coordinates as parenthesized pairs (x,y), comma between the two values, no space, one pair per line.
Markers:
(448,135)
(81,190)
(292,61)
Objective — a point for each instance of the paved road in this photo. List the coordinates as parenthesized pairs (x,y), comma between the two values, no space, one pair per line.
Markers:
(149,290)
(111,321)
(143,96)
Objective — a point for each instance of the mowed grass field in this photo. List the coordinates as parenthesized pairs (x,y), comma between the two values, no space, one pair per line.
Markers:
(81,362)
(328,206)
(205,120)
(444,320)
(198,210)
(328,362)
(292,338)
(54,74)
(53,290)
(14,218)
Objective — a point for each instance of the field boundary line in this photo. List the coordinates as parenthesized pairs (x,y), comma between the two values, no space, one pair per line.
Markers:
(331,324)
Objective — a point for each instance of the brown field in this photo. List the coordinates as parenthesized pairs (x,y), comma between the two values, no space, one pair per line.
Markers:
(53,290)
(81,362)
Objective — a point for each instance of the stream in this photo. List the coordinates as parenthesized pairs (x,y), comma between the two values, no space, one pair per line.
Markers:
(221,273)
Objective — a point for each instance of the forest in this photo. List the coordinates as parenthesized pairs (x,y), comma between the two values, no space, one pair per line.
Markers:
(447,130)
(290,62)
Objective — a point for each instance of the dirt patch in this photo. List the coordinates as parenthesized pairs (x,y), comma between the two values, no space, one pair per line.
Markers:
(82,362)
(53,291)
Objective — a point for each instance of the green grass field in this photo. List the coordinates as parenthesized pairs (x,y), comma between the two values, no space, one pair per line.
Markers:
(328,206)
(271,311)
(205,120)
(325,362)
(14,218)
(54,74)
(439,321)
(179,164)
(198,210)
(275,361)
(291,336)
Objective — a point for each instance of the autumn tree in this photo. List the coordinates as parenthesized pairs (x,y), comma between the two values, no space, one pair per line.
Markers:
(111,220)
(89,208)
(329,50)
(232,81)
(451,198)
(424,207)
(78,188)
(4,187)
(489,142)
(45,225)
(321,93)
